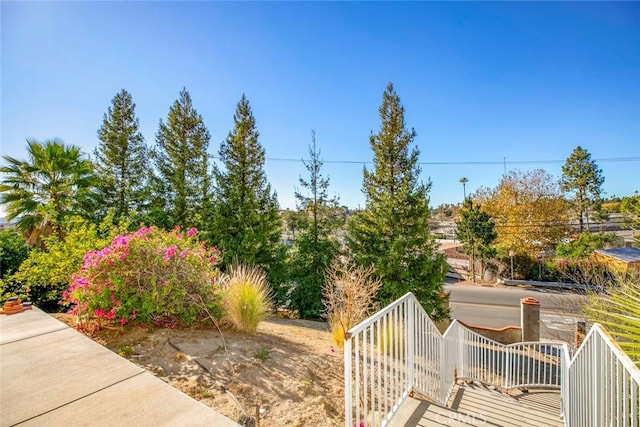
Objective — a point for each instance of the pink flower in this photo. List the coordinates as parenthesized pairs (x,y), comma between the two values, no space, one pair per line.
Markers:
(79,281)
(123,321)
(120,240)
(143,231)
(169,252)
(192,232)
(98,312)
(111,314)
(183,254)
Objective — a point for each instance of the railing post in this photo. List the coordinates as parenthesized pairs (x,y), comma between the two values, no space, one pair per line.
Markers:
(442,355)
(410,344)
(461,357)
(347,382)
(565,358)
(509,364)
(595,375)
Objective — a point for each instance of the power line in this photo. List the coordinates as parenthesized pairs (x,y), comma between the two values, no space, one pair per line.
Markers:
(451,162)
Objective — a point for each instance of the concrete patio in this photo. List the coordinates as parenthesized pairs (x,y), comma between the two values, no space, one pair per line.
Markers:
(51,374)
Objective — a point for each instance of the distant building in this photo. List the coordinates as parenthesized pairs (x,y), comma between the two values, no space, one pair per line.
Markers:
(620,258)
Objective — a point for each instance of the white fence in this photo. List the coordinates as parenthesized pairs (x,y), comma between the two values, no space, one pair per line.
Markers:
(399,349)
(600,384)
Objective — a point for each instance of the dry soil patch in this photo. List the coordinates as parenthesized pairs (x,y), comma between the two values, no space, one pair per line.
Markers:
(290,370)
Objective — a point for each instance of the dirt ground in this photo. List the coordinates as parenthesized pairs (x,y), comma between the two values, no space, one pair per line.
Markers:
(290,372)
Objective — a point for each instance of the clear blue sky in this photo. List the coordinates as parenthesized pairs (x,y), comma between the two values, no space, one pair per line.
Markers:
(480,82)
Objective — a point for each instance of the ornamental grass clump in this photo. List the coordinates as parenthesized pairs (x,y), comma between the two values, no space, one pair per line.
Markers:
(151,275)
(247,297)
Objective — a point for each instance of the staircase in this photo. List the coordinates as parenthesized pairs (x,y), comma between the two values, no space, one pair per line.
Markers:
(399,352)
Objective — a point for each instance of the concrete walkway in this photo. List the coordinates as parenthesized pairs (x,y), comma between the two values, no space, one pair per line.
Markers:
(52,375)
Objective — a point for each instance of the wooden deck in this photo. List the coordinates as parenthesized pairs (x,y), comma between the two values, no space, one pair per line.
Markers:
(476,405)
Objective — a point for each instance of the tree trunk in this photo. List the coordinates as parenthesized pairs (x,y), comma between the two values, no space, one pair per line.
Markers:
(473,264)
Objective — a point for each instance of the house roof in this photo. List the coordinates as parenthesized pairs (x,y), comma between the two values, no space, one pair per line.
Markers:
(628,255)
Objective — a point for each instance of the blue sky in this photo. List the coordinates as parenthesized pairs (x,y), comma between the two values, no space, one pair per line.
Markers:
(480,82)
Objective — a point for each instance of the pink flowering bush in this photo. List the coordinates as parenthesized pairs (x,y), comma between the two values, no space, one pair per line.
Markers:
(148,276)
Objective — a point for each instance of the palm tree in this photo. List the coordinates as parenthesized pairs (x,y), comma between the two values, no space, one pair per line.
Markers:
(464,181)
(41,191)
(618,309)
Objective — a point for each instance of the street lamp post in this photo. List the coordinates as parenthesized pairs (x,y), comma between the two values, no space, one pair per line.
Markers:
(511,254)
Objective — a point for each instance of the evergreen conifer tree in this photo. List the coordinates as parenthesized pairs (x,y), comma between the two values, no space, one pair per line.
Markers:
(121,159)
(476,230)
(183,165)
(392,233)
(247,225)
(582,176)
(316,246)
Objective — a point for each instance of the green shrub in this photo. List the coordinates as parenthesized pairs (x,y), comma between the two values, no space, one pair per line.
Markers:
(310,260)
(13,251)
(523,266)
(246,296)
(588,242)
(149,276)
(45,274)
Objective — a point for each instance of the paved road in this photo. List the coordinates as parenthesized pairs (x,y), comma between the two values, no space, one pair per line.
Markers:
(500,306)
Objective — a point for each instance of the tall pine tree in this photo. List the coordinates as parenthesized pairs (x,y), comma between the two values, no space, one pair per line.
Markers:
(392,231)
(183,165)
(121,159)
(476,230)
(316,246)
(247,224)
(582,176)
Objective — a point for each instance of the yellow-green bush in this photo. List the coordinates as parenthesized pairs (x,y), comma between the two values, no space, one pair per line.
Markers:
(247,297)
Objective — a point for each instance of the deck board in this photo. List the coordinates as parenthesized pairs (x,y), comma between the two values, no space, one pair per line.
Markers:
(473,404)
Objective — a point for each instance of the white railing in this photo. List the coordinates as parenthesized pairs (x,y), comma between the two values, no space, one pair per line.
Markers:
(434,363)
(399,349)
(600,384)
(523,364)
(378,368)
